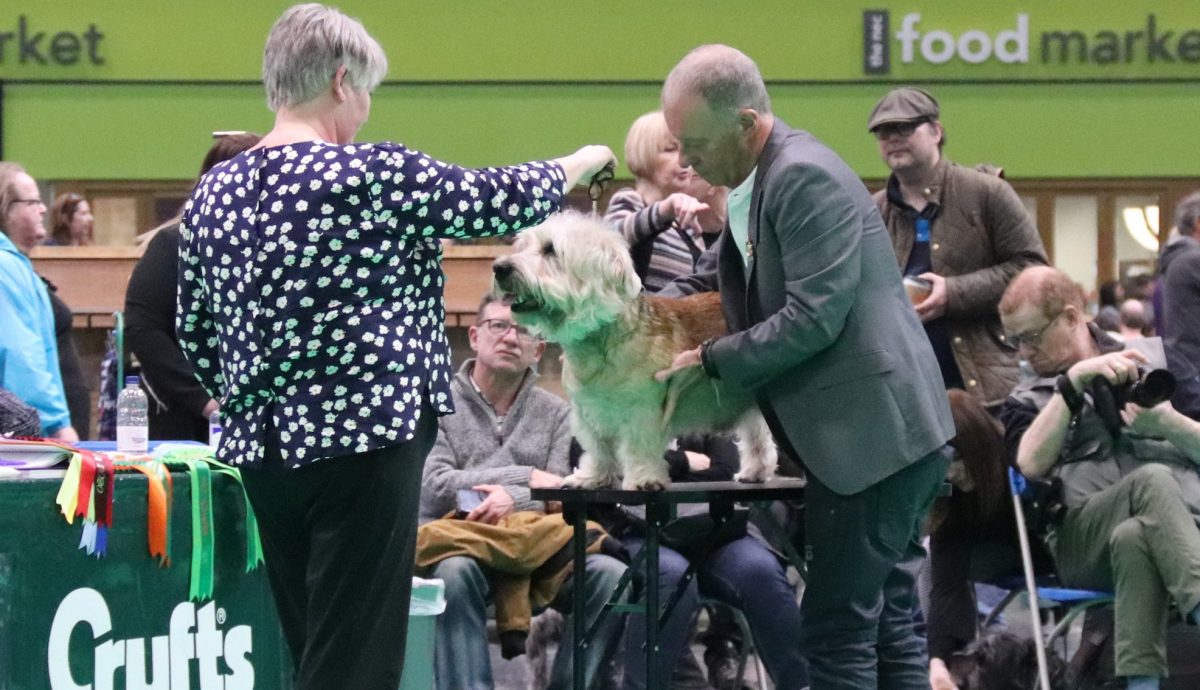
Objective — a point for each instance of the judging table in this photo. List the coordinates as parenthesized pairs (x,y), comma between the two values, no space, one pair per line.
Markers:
(70,620)
(720,497)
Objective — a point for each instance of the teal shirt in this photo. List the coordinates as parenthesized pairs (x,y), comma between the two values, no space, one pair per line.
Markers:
(28,349)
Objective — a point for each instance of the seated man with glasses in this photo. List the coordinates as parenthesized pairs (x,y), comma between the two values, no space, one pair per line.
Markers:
(505,437)
(964,232)
(1130,487)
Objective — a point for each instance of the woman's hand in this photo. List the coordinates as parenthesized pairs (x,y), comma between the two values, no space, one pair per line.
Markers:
(586,162)
(681,208)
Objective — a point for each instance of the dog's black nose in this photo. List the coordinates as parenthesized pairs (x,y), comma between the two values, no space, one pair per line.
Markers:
(502,269)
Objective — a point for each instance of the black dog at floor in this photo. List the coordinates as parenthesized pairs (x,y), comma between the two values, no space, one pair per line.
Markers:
(1004,661)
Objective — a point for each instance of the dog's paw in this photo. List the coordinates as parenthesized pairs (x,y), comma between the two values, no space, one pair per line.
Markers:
(756,475)
(644,484)
(579,481)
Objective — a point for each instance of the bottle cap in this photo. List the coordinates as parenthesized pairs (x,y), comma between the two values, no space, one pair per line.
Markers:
(132,381)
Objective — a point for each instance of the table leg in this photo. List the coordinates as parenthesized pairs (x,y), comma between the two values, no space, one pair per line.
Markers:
(577,516)
(656,517)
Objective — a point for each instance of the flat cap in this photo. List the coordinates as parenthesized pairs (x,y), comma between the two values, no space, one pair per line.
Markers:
(903,104)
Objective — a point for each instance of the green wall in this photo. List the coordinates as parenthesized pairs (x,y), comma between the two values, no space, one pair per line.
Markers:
(482,83)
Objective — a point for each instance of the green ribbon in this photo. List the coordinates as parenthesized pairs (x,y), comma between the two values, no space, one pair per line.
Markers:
(199,464)
(254,554)
(203,538)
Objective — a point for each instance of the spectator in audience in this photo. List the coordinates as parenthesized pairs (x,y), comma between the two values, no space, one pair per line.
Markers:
(1141,285)
(75,384)
(972,535)
(311,306)
(28,345)
(16,418)
(964,231)
(1133,323)
(742,572)
(506,437)
(1180,267)
(179,406)
(657,217)
(1109,298)
(1131,491)
(71,222)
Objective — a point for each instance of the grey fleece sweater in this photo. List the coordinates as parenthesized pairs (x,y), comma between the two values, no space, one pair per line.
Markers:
(473,448)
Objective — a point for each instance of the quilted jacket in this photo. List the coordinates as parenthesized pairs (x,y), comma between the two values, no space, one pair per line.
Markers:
(980,239)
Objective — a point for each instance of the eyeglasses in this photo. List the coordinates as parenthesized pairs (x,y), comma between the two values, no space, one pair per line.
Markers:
(1032,338)
(500,327)
(35,202)
(903,130)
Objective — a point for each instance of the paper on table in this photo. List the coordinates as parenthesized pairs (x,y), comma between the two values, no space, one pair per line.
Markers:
(32,455)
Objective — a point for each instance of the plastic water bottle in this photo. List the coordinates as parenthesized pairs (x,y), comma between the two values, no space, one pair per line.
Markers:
(214,429)
(133,421)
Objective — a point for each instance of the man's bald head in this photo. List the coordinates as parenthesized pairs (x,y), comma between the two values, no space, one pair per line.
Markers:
(1048,288)
(724,77)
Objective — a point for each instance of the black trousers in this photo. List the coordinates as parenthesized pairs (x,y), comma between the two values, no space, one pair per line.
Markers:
(863,554)
(339,538)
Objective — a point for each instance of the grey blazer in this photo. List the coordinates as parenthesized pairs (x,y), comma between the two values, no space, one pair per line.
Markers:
(821,328)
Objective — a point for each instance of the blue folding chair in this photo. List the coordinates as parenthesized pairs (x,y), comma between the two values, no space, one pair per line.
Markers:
(1076,601)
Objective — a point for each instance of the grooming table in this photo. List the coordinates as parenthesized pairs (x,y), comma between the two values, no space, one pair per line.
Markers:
(720,497)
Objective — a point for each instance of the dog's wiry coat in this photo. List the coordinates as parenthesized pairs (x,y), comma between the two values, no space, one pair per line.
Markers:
(571,281)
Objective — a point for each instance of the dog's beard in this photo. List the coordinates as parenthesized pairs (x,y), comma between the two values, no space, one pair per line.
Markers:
(558,312)
(528,307)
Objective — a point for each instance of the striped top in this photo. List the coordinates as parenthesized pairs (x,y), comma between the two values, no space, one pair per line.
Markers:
(671,255)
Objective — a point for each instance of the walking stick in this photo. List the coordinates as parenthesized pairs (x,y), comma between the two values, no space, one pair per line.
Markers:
(1016,482)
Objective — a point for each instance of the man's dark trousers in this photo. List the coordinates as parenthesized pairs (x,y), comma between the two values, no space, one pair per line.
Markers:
(863,551)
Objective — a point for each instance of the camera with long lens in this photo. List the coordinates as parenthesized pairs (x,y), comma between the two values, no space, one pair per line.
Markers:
(1153,386)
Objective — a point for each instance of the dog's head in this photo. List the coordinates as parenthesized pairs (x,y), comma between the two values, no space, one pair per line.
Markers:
(1004,661)
(567,277)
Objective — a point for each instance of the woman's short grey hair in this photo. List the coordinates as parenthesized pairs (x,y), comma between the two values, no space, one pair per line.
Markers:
(726,78)
(1187,212)
(306,46)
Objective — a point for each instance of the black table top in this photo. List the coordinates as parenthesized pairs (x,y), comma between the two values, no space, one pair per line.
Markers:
(778,488)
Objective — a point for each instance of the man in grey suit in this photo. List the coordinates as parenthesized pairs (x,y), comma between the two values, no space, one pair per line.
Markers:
(822,331)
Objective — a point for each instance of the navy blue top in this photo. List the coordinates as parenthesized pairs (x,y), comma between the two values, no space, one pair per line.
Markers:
(310,288)
(920,260)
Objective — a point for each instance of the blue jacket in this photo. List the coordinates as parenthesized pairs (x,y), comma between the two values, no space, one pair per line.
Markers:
(28,349)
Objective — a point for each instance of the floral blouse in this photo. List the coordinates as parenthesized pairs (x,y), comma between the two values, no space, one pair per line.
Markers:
(310,288)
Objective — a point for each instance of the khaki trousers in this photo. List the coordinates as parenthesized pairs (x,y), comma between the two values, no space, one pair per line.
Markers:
(1138,540)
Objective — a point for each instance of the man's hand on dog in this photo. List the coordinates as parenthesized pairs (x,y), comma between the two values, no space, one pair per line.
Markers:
(939,676)
(497,505)
(683,360)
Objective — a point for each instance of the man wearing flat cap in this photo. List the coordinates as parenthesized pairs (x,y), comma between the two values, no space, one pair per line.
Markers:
(967,234)
(963,231)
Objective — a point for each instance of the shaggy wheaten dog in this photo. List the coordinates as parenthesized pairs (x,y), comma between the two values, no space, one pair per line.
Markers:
(571,281)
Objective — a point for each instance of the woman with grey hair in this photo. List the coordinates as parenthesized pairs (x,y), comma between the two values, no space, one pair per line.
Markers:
(311,306)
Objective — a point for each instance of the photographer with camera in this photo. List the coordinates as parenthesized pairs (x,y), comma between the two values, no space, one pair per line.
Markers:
(1111,423)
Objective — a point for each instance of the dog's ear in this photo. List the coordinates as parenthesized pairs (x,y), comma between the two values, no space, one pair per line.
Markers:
(622,265)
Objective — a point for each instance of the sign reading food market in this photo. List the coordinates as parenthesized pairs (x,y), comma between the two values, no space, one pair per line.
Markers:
(27,44)
(916,38)
(467,41)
